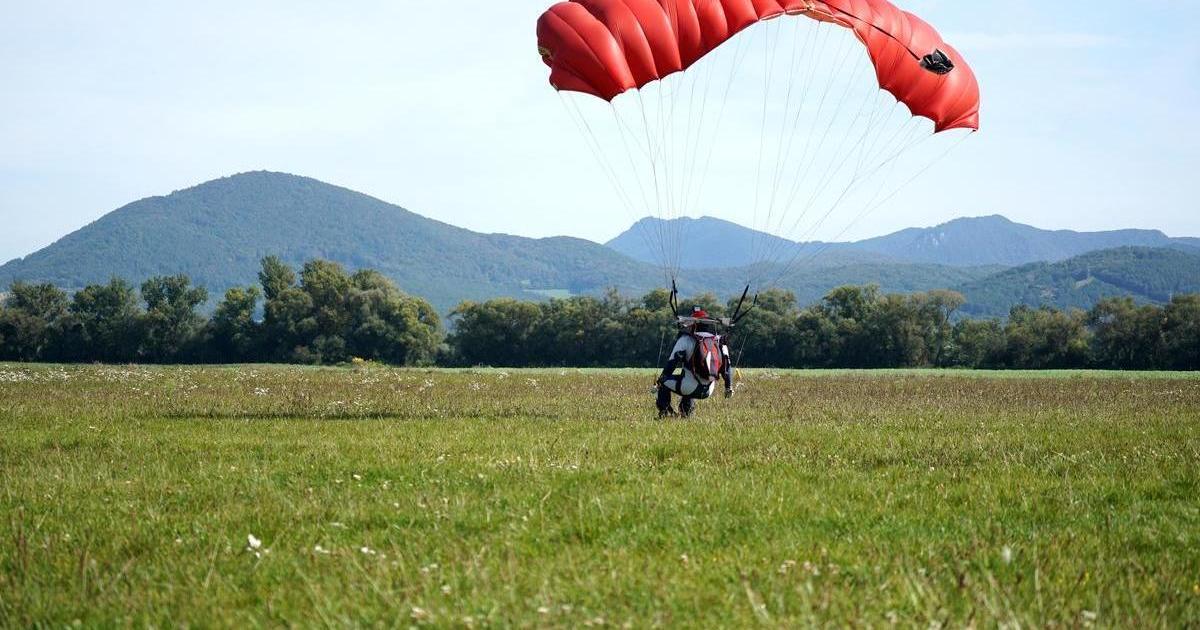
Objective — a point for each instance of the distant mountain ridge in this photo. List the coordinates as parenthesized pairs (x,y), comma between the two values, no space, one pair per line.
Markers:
(218,232)
(991,240)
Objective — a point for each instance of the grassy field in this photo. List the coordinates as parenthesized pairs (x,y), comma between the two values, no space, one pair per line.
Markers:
(263,496)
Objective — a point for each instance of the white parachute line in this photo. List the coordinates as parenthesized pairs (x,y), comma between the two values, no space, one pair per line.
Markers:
(768,73)
(858,177)
(740,53)
(811,67)
(757,240)
(812,152)
(654,171)
(846,145)
(760,240)
(875,206)
(867,135)
(648,209)
(666,129)
(598,153)
(801,240)
(692,136)
(890,163)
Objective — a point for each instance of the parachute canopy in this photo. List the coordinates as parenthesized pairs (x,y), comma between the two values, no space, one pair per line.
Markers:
(608,47)
(834,107)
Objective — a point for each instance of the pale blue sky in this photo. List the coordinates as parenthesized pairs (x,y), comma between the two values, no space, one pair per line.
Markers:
(1090,119)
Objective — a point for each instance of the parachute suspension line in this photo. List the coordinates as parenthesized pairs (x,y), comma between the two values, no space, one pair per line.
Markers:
(889,162)
(664,125)
(758,241)
(860,146)
(741,51)
(850,186)
(832,169)
(651,207)
(783,157)
(654,168)
(875,205)
(593,143)
(807,163)
(768,74)
(694,136)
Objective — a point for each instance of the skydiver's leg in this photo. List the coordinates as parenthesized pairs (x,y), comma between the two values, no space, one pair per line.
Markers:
(669,385)
(687,406)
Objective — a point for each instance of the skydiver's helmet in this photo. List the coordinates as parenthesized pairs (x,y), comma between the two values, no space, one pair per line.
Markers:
(703,324)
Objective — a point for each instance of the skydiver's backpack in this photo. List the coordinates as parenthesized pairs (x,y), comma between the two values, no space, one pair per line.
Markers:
(706,360)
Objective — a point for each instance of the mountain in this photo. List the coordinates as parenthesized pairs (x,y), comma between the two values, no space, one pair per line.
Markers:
(711,243)
(1149,275)
(218,232)
(996,240)
(992,240)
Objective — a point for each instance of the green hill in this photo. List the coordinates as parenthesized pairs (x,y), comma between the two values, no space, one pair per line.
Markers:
(219,231)
(1147,274)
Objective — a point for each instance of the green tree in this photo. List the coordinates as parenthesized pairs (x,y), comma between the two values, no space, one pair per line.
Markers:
(935,310)
(1125,335)
(235,335)
(850,309)
(275,277)
(767,335)
(103,324)
(328,286)
(387,325)
(1046,338)
(977,344)
(30,318)
(818,344)
(171,327)
(497,332)
(1181,333)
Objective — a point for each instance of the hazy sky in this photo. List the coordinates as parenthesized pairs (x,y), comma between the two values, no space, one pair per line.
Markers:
(1091,115)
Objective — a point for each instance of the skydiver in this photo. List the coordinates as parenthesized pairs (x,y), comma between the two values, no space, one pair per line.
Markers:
(703,357)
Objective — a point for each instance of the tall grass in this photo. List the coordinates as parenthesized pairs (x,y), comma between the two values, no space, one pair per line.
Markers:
(553,498)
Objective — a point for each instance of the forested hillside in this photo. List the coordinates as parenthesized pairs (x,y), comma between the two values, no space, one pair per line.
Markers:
(1149,275)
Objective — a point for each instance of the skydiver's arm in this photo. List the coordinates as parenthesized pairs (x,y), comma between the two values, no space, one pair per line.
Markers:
(673,363)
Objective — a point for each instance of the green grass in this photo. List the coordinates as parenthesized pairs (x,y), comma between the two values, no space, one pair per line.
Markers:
(551,498)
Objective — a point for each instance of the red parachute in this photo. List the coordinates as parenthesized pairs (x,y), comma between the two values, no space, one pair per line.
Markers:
(826,138)
(608,47)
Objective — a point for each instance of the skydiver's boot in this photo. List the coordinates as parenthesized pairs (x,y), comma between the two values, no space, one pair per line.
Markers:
(665,410)
(687,406)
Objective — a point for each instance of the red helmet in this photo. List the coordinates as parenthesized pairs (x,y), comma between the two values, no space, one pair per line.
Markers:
(699,313)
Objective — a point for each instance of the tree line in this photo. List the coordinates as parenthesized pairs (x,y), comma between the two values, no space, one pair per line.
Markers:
(322,314)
